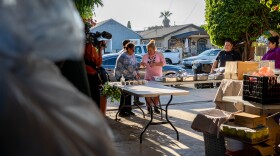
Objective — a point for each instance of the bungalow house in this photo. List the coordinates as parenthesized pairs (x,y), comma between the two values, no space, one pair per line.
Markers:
(191,38)
(119,33)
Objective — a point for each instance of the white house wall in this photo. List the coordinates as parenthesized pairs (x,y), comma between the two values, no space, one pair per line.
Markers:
(164,41)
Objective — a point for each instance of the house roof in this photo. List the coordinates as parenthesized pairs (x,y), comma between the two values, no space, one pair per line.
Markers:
(187,34)
(99,24)
(162,32)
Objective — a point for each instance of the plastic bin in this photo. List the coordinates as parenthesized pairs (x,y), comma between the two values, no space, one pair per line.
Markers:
(214,146)
(261,89)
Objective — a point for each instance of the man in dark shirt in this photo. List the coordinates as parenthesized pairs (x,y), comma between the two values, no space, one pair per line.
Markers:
(226,55)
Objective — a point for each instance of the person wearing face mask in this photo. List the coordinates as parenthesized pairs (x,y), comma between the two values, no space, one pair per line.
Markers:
(274,51)
(228,54)
(153,61)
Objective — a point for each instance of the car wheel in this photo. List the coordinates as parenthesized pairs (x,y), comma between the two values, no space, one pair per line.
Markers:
(169,74)
(168,61)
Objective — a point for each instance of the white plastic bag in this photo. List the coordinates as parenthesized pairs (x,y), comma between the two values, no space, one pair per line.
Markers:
(48,28)
(43,114)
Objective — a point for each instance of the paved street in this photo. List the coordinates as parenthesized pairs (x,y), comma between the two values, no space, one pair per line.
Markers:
(161,139)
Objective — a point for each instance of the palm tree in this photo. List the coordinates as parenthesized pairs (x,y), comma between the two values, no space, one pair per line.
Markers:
(165,20)
(85,7)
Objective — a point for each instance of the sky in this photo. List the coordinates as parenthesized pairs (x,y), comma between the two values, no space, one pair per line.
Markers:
(145,13)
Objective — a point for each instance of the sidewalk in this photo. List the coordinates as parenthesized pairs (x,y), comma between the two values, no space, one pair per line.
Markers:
(161,139)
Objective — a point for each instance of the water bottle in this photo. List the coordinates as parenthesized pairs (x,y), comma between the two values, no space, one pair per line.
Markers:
(122,80)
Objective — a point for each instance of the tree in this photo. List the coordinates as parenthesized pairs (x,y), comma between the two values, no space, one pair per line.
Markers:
(165,15)
(85,7)
(274,5)
(128,25)
(242,20)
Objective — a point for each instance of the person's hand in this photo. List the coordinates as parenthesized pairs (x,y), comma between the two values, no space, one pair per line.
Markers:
(212,71)
(143,64)
(137,76)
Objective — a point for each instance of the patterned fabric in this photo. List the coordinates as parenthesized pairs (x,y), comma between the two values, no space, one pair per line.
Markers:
(155,70)
(126,65)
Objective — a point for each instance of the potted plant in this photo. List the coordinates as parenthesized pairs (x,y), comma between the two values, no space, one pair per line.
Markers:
(108,91)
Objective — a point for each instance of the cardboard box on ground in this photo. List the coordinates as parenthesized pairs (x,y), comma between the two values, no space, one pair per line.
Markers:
(236,69)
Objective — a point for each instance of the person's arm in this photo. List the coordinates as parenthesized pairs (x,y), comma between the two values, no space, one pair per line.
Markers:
(277,59)
(162,60)
(161,63)
(144,61)
(215,64)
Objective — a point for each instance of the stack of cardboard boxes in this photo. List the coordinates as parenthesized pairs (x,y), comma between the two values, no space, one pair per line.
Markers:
(260,135)
(235,69)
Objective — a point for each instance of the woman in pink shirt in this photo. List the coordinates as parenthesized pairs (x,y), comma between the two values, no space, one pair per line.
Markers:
(153,61)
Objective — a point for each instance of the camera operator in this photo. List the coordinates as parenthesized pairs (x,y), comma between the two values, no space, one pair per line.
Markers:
(95,43)
(94,56)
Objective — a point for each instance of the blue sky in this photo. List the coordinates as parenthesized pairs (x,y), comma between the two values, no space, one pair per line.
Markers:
(145,13)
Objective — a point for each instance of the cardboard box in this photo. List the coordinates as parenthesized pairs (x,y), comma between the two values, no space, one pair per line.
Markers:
(259,149)
(274,129)
(249,120)
(233,76)
(238,68)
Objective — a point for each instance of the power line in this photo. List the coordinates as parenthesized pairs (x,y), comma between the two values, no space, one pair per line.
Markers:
(170,5)
(191,11)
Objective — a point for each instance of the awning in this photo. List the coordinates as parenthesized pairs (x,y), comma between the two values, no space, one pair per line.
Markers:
(187,34)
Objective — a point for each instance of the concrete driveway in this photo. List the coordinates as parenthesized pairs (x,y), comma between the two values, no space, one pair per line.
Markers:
(161,139)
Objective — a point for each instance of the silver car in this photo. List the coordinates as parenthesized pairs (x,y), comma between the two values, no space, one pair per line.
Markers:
(210,55)
(109,62)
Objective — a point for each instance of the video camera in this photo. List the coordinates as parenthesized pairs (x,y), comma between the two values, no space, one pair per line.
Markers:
(97,38)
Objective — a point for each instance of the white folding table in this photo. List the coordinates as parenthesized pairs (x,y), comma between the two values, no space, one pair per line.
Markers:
(152,90)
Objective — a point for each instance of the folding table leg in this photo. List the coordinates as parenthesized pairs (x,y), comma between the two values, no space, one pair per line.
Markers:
(151,120)
(166,116)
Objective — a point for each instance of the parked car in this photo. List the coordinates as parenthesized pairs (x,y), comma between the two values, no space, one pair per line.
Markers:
(109,62)
(171,56)
(202,66)
(210,54)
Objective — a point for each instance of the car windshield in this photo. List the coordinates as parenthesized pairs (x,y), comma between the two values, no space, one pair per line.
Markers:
(205,53)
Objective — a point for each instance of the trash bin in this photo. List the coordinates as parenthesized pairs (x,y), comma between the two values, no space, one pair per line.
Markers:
(208,122)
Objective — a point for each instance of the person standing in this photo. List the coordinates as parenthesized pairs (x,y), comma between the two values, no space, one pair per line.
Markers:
(136,99)
(124,43)
(274,51)
(153,61)
(93,60)
(126,66)
(228,54)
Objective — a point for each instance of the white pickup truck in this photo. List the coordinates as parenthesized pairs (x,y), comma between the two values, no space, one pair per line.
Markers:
(171,56)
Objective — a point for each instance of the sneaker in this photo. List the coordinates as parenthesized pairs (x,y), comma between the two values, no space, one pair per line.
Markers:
(138,103)
(131,113)
(156,110)
(124,114)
